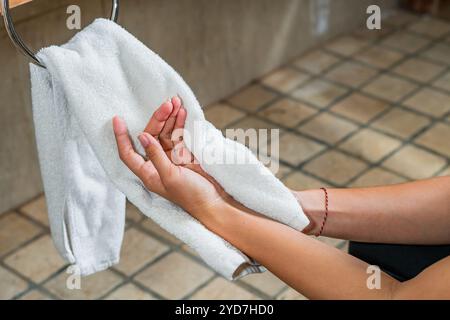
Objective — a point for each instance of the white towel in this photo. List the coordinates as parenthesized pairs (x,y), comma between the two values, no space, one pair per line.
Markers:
(105,71)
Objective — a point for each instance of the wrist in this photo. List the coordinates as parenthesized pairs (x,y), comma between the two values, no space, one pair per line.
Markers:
(215,214)
(312,203)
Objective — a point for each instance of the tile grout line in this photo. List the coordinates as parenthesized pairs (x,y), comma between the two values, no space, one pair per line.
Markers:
(392,105)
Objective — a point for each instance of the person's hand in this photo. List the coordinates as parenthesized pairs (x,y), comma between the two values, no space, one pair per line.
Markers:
(170,170)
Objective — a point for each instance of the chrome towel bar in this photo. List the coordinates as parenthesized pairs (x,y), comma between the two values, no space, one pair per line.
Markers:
(17,40)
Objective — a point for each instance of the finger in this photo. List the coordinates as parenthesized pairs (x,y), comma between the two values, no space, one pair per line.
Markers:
(144,170)
(151,179)
(165,136)
(179,125)
(178,129)
(156,155)
(181,153)
(126,151)
(181,156)
(158,119)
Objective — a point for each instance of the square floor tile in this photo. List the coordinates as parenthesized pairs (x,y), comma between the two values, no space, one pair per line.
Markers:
(440,52)
(443,82)
(14,231)
(371,36)
(11,285)
(346,45)
(350,73)
(335,167)
(379,57)
(37,261)
(129,292)
(92,287)
(406,41)
(155,229)
(370,145)
(401,123)
(400,18)
(189,250)
(174,276)
(221,289)
(285,79)
(133,213)
(138,249)
(37,210)
(295,149)
(281,171)
(265,282)
(415,163)
(431,27)
(429,101)
(287,112)
(419,69)
(444,173)
(328,128)
(436,138)
(251,123)
(319,93)
(35,295)
(377,177)
(333,242)
(345,247)
(316,61)
(291,294)
(222,115)
(390,88)
(359,108)
(299,181)
(252,98)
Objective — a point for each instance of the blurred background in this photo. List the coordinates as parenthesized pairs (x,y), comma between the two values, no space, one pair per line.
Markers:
(355,107)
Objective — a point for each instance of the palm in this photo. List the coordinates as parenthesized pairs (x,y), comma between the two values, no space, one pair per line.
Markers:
(166,124)
(172,171)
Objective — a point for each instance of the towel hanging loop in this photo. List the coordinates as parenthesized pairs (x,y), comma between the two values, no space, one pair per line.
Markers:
(17,40)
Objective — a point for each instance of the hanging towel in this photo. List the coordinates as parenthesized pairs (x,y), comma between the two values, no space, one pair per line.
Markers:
(105,71)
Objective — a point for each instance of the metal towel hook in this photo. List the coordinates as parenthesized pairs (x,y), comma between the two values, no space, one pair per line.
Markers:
(17,40)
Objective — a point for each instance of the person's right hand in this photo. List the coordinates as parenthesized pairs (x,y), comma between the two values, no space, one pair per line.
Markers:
(170,170)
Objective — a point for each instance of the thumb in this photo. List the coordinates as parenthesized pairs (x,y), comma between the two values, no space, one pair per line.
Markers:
(155,154)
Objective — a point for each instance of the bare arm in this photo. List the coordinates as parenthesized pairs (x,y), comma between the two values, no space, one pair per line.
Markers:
(315,269)
(309,266)
(411,213)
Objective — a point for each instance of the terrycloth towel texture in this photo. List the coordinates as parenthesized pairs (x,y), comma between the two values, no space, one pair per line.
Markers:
(105,71)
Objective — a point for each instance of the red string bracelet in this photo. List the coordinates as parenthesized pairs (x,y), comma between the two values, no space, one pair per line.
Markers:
(326,212)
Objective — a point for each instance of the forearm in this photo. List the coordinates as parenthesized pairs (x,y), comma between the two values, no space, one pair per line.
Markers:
(309,266)
(410,213)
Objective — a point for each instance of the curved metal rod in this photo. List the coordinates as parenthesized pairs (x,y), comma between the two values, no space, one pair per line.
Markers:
(17,40)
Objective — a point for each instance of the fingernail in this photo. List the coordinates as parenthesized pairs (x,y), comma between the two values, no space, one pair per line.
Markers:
(144,140)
